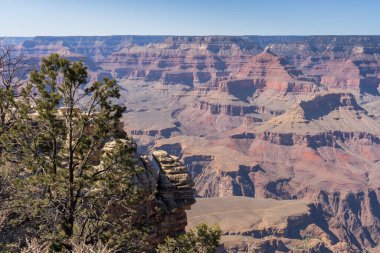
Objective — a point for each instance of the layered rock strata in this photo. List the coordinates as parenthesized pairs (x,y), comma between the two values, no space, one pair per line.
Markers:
(324,149)
(169,190)
(292,64)
(175,194)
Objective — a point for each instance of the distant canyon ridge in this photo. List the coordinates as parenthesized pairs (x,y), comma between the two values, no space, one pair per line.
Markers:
(283,117)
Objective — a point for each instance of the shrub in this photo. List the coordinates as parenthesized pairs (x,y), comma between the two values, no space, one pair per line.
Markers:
(202,239)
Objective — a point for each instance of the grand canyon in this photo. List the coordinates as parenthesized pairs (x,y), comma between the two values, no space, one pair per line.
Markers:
(281,134)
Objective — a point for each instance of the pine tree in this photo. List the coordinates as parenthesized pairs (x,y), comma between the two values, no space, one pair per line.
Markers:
(73,166)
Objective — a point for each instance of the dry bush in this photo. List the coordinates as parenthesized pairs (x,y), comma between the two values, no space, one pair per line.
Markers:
(97,248)
(33,246)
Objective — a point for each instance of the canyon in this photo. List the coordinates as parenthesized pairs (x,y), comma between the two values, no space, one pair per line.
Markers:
(290,118)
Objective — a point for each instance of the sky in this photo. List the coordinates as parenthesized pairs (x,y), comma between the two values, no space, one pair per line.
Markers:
(189,17)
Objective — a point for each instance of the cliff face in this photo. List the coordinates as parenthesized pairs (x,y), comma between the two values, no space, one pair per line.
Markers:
(171,192)
(268,71)
(292,64)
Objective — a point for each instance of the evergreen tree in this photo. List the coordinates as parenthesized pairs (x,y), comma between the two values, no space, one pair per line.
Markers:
(72,165)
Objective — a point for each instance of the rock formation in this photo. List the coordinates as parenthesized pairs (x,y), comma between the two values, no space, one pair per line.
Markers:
(267,70)
(171,193)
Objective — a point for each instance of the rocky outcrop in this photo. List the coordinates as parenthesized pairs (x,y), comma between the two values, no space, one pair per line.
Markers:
(231,110)
(153,75)
(163,132)
(242,89)
(324,103)
(175,194)
(175,185)
(267,70)
(186,78)
(171,192)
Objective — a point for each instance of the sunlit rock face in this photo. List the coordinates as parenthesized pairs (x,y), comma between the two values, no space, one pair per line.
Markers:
(169,192)
(274,117)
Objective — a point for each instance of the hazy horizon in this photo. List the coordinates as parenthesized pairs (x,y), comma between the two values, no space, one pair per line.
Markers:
(22,18)
(205,35)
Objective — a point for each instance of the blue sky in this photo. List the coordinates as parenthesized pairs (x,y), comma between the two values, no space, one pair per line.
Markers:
(189,17)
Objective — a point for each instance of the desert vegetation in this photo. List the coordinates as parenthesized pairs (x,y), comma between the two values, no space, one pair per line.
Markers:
(201,239)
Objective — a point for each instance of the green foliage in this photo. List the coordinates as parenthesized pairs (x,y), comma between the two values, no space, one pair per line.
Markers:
(64,187)
(202,239)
